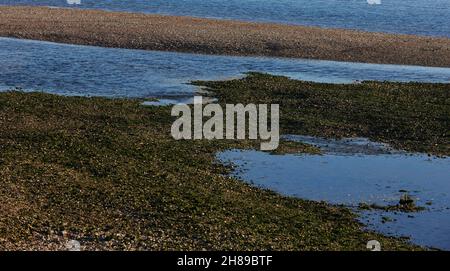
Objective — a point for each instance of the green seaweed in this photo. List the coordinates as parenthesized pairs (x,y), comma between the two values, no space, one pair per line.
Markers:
(107,173)
(409,116)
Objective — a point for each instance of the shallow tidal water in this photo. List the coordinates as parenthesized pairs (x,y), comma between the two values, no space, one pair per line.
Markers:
(423,17)
(110,72)
(350,171)
(353,171)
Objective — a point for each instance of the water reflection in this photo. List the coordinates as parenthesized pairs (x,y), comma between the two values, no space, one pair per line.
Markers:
(95,71)
(359,171)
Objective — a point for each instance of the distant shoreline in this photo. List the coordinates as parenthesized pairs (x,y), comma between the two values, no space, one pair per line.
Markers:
(222,37)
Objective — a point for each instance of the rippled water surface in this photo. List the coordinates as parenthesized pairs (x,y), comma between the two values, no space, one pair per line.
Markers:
(425,17)
(95,71)
(359,171)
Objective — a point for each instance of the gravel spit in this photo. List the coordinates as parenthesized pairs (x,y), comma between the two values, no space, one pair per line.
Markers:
(209,36)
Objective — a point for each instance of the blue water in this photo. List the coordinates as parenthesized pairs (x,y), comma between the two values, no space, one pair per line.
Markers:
(372,174)
(96,71)
(359,171)
(424,17)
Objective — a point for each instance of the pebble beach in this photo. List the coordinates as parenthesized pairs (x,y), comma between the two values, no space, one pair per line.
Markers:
(224,37)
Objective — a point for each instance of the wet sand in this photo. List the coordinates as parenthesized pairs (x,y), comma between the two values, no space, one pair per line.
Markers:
(209,36)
